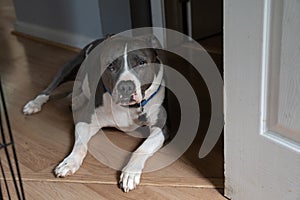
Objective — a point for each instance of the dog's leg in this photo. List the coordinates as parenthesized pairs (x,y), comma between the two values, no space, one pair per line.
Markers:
(67,73)
(83,133)
(131,173)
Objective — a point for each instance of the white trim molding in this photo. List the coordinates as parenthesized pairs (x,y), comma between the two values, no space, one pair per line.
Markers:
(59,36)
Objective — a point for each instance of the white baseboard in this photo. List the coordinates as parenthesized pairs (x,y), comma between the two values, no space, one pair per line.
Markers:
(59,36)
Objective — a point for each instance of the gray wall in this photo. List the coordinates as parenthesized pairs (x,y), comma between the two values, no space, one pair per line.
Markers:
(115,16)
(72,22)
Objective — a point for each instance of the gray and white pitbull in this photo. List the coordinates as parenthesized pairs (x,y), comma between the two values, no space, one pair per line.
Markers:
(127,84)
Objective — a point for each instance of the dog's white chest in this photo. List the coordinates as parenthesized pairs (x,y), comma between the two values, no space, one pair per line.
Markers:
(117,116)
(124,119)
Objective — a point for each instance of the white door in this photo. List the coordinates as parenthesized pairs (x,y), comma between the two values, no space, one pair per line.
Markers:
(262,99)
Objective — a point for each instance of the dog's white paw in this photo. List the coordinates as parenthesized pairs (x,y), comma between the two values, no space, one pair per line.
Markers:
(31,107)
(129,179)
(67,167)
(35,105)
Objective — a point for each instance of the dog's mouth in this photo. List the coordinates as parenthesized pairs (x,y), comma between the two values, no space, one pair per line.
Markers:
(128,100)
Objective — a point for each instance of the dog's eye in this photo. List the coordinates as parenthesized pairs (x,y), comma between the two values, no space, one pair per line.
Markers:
(142,62)
(111,67)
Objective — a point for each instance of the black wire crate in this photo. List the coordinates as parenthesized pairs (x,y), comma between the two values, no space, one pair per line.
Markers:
(11,186)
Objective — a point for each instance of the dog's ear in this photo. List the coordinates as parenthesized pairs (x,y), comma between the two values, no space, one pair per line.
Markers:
(151,40)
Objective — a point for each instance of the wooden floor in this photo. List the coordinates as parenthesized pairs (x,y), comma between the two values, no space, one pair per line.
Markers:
(44,139)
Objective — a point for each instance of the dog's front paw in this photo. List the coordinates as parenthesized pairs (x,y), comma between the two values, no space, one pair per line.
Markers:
(129,179)
(67,167)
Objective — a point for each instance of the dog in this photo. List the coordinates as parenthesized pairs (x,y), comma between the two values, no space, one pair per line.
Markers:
(127,84)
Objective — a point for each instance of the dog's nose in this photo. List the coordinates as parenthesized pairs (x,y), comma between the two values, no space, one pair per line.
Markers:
(126,88)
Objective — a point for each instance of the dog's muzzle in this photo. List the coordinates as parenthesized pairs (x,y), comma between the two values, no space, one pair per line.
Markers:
(126,92)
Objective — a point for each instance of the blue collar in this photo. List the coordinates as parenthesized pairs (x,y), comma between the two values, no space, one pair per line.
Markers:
(143,102)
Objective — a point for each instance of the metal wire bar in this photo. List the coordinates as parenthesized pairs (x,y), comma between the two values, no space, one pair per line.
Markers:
(19,191)
(5,182)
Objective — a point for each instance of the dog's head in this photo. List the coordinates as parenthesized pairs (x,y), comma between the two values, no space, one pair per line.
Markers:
(129,73)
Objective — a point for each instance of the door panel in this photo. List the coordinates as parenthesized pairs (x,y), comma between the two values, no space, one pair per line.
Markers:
(262,99)
(283,80)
